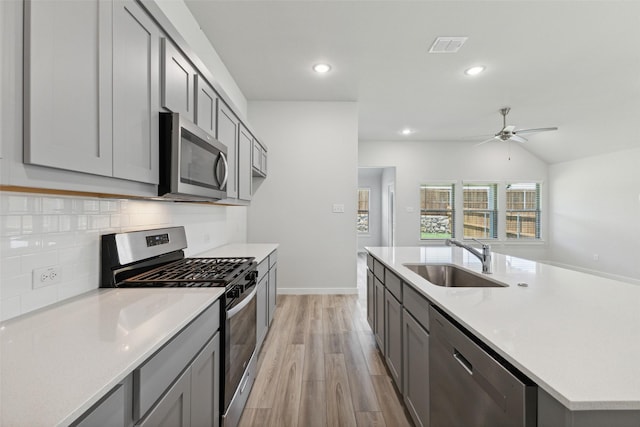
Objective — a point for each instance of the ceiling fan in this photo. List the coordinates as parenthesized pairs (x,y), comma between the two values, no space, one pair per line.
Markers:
(509,133)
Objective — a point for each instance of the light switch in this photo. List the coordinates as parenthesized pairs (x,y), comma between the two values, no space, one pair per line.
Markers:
(338,208)
(410,209)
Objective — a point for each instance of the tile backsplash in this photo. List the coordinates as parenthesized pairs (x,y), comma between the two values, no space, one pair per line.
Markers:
(39,231)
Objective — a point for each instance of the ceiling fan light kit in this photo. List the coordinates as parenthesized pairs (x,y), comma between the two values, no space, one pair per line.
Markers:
(510,133)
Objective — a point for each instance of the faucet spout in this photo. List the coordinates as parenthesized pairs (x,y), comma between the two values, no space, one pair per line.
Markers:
(484,256)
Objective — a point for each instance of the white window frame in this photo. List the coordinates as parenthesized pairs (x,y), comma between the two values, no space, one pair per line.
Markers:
(454,209)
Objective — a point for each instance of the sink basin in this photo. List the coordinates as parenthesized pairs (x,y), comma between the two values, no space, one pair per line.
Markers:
(451,276)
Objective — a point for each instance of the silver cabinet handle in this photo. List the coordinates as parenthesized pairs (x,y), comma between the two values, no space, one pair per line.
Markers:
(463,361)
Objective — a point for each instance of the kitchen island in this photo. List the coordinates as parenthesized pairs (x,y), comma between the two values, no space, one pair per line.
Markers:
(574,334)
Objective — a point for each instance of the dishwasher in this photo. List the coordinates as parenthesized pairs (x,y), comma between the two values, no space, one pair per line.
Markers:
(470,387)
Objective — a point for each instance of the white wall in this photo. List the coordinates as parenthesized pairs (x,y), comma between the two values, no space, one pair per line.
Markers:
(427,162)
(312,151)
(595,210)
(371,178)
(40,231)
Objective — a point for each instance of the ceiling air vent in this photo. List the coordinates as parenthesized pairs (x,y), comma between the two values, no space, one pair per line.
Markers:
(447,44)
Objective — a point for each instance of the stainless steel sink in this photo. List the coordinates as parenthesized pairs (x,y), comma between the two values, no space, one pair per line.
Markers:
(451,276)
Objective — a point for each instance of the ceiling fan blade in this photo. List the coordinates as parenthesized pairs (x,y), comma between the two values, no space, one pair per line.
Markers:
(493,138)
(535,130)
(518,138)
(508,129)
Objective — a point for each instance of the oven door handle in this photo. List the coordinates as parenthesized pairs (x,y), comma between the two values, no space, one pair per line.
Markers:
(243,304)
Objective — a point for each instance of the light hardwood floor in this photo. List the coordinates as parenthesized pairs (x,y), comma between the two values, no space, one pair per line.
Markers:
(319,366)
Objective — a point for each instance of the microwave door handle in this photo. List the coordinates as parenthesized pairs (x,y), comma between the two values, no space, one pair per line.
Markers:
(226,170)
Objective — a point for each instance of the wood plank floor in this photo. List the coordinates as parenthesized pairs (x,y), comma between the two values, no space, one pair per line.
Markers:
(319,366)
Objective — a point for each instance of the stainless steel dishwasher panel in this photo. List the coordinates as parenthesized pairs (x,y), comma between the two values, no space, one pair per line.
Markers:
(470,388)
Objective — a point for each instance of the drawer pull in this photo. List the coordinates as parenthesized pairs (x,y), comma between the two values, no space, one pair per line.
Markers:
(463,361)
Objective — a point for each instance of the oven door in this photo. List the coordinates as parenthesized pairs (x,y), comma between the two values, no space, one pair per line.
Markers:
(240,340)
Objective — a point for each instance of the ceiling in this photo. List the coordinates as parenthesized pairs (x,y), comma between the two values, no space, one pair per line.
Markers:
(571,64)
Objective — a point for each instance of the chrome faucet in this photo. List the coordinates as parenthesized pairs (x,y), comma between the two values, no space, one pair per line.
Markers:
(484,256)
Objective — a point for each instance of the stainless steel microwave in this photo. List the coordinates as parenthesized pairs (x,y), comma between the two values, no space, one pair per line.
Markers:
(193,164)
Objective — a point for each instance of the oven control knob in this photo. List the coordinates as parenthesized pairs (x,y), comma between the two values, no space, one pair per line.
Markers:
(233,293)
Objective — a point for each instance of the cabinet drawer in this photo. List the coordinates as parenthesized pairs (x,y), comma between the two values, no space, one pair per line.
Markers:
(263,268)
(417,305)
(273,258)
(370,262)
(378,269)
(393,283)
(157,373)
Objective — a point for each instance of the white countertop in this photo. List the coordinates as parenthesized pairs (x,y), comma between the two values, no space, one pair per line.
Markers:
(259,251)
(576,335)
(57,362)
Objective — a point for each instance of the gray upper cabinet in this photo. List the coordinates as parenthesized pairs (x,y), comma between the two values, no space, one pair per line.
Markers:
(206,106)
(178,81)
(67,104)
(136,93)
(245,146)
(259,159)
(228,133)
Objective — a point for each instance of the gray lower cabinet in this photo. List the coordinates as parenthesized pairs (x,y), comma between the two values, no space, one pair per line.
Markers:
(272,294)
(205,385)
(393,336)
(112,410)
(415,351)
(174,409)
(378,330)
(370,300)
(262,311)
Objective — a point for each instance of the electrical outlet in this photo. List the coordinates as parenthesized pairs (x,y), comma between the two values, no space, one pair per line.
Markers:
(338,208)
(596,257)
(46,276)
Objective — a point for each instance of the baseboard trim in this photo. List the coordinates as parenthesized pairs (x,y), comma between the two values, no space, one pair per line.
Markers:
(317,291)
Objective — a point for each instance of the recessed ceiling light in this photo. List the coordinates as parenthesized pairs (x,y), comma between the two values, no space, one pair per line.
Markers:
(474,71)
(322,68)
(406,131)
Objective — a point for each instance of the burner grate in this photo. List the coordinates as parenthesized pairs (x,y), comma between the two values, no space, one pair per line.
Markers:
(193,272)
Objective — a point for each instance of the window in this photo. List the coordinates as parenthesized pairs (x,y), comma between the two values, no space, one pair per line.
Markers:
(436,211)
(523,211)
(480,211)
(363,210)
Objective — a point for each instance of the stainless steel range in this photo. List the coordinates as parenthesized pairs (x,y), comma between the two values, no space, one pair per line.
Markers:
(155,258)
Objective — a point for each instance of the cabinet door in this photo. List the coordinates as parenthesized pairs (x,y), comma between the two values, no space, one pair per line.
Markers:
(393,336)
(262,311)
(378,331)
(245,147)
(228,132)
(415,349)
(257,156)
(174,409)
(110,412)
(136,93)
(371,309)
(206,106)
(264,162)
(205,386)
(67,85)
(178,82)
(273,291)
